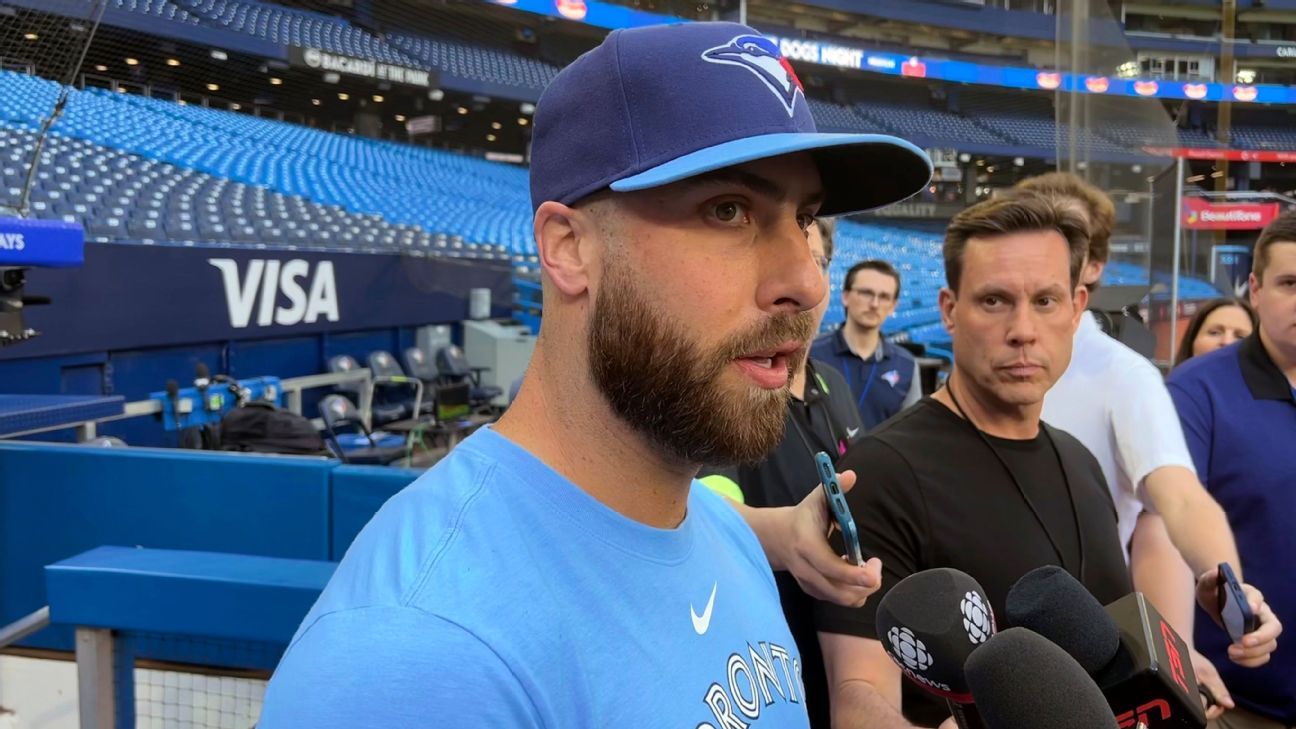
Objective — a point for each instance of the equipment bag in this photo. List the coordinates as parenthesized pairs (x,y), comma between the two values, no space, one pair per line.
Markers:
(260,427)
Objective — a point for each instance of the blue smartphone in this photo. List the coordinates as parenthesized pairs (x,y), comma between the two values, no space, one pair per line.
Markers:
(1233,606)
(840,509)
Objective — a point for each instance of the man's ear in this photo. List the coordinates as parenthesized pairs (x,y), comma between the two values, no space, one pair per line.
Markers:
(1092,272)
(559,233)
(1080,302)
(946,301)
(1253,290)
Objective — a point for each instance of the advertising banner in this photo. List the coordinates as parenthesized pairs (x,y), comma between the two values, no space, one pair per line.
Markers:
(132,296)
(1201,214)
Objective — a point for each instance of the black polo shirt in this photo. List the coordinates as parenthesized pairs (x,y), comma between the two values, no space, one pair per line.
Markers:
(932,493)
(825,420)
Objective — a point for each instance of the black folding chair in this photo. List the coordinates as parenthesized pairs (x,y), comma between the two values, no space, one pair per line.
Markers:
(452,366)
(340,417)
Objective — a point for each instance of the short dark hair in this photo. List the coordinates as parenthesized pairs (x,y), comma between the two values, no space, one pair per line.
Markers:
(873,264)
(1281,230)
(1185,352)
(1098,206)
(827,229)
(1017,213)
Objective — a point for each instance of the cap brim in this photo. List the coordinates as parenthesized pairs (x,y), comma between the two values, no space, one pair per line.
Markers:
(859,171)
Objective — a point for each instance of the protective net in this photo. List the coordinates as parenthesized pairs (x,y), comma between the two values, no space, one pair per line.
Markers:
(35,44)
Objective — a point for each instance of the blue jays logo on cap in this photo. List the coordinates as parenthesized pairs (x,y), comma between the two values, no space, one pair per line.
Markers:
(761,56)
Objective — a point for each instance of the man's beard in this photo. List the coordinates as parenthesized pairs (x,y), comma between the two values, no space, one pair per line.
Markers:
(666,387)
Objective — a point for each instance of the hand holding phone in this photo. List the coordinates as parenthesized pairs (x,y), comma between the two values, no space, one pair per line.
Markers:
(1234,609)
(840,509)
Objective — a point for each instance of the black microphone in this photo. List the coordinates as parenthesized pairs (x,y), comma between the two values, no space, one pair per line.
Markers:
(929,624)
(1022,681)
(173,397)
(1136,658)
(202,379)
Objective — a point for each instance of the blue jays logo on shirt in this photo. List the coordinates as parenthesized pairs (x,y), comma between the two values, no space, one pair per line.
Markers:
(761,56)
(892,377)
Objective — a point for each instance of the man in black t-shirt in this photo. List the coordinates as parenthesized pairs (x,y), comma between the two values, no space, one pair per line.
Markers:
(970,478)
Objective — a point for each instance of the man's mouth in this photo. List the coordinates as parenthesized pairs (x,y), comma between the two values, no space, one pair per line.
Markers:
(770,368)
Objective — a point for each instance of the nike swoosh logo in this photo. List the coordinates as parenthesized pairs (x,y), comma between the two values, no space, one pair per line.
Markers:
(701,623)
(850,432)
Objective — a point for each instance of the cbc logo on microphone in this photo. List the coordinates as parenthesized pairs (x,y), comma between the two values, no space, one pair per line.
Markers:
(909,649)
(976,618)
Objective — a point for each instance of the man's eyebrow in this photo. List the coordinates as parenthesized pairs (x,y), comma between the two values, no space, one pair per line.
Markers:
(758,184)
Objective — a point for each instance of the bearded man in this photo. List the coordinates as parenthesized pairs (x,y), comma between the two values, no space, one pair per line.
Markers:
(540,574)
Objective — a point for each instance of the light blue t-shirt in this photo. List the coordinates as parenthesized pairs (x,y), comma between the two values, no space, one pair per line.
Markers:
(493,592)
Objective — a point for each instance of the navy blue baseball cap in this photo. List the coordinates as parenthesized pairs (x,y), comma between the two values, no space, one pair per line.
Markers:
(655,105)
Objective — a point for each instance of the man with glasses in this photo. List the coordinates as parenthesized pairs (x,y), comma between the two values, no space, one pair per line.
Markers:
(883,376)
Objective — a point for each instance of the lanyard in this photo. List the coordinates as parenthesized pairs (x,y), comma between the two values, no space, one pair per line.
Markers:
(1066,481)
(812,397)
(868,383)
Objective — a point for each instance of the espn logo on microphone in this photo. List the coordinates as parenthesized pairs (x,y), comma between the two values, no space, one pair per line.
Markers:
(1141,717)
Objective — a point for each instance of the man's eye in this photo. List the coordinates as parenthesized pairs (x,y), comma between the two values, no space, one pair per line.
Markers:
(730,212)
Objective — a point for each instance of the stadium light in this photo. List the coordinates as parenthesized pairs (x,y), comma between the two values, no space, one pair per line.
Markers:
(1136,169)
(219,55)
(527,109)
(436,94)
(132,61)
(490,137)
(343,95)
(101,68)
(378,98)
(400,117)
(965,158)
(523,121)
(31,36)
(236,107)
(1019,161)
(275,81)
(213,87)
(463,110)
(1246,75)
(316,102)
(173,62)
(496,125)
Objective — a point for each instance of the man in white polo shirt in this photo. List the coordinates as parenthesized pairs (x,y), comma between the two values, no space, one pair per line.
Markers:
(1115,402)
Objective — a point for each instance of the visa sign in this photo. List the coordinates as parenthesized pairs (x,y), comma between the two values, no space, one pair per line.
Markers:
(265,280)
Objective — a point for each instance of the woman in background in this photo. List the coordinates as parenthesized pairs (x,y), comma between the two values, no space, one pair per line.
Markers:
(1219,323)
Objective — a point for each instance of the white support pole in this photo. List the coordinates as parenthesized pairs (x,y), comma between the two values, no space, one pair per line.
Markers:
(1178,253)
(94,658)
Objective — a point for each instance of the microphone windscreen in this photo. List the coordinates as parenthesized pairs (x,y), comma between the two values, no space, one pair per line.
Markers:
(1020,680)
(172,389)
(1049,601)
(930,622)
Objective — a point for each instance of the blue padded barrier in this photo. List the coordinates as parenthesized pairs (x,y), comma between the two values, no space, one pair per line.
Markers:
(59,500)
(227,610)
(358,493)
(184,593)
